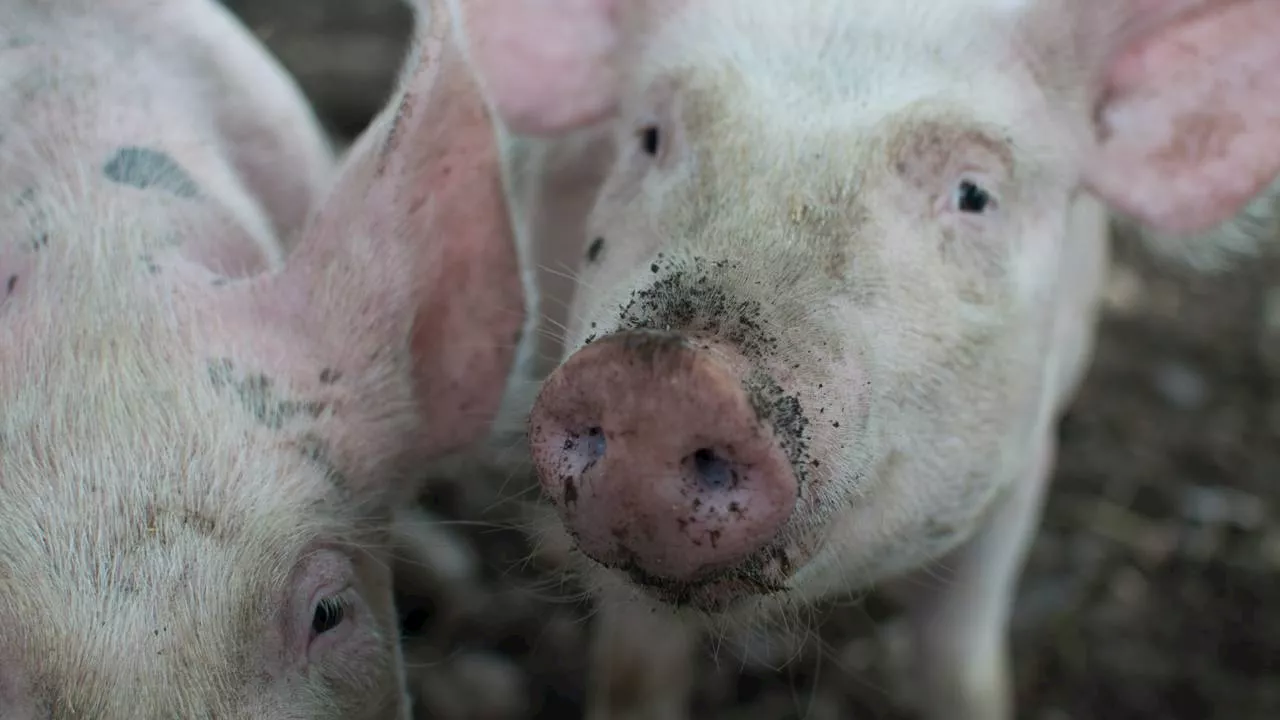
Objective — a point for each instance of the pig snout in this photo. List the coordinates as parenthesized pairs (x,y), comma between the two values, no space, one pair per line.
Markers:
(655,456)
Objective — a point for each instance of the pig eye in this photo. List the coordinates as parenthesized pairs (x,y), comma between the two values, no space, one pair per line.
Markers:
(328,615)
(649,139)
(971,198)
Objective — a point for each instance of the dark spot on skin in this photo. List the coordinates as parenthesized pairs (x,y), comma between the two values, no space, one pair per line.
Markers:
(653,268)
(570,491)
(593,250)
(151,265)
(10,285)
(329,376)
(145,168)
(219,282)
(37,218)
(257,394)
(403,113)
(202,522)
(316,449)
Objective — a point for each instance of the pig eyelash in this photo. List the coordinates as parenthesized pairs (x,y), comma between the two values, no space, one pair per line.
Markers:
(330,612)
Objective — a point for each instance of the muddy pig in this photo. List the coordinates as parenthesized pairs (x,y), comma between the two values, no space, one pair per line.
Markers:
(839,274)
(202,439)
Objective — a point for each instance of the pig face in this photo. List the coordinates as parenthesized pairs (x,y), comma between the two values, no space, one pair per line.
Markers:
(813,337)
(198,468)
(871,257)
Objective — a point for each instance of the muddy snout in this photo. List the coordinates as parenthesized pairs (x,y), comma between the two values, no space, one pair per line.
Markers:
(650,447)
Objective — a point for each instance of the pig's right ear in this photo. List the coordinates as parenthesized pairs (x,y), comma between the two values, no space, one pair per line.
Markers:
(547,65)
(408,277)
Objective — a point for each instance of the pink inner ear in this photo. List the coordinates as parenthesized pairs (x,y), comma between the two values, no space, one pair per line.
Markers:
(547,66)
(471,307)
(1191,127)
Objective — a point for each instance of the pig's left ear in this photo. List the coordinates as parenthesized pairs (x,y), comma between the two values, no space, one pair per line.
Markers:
(409,272)
(1189,125)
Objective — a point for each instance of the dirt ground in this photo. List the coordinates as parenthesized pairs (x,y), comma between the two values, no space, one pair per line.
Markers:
(1147,591)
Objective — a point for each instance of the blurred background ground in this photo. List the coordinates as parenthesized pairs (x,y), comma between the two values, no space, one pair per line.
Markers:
(1153,590)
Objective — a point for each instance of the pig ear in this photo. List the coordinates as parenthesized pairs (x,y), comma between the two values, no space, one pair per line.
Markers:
(1189,126)
(409,270)
(547,65)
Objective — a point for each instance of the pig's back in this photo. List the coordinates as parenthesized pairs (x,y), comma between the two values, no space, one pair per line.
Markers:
(136,161)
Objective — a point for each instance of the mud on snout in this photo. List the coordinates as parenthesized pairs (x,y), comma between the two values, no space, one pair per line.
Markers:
(673,447)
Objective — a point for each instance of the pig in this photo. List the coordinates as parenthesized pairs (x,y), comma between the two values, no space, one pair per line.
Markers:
(223,356)
(837,275)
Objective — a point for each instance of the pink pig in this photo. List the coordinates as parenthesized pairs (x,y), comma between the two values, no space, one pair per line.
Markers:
(837,270)
(202,442)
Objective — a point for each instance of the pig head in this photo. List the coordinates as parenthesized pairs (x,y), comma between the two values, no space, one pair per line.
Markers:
(840,278)
(806,282)
(202,439)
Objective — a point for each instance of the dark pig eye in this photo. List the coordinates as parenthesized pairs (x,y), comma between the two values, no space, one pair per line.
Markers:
(328,615)
(970,198)
(649,139)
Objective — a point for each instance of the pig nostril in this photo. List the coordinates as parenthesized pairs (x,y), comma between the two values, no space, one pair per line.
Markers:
(595,444)
(578,450)
(713,471)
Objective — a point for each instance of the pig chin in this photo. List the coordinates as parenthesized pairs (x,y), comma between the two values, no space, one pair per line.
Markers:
(674,460)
